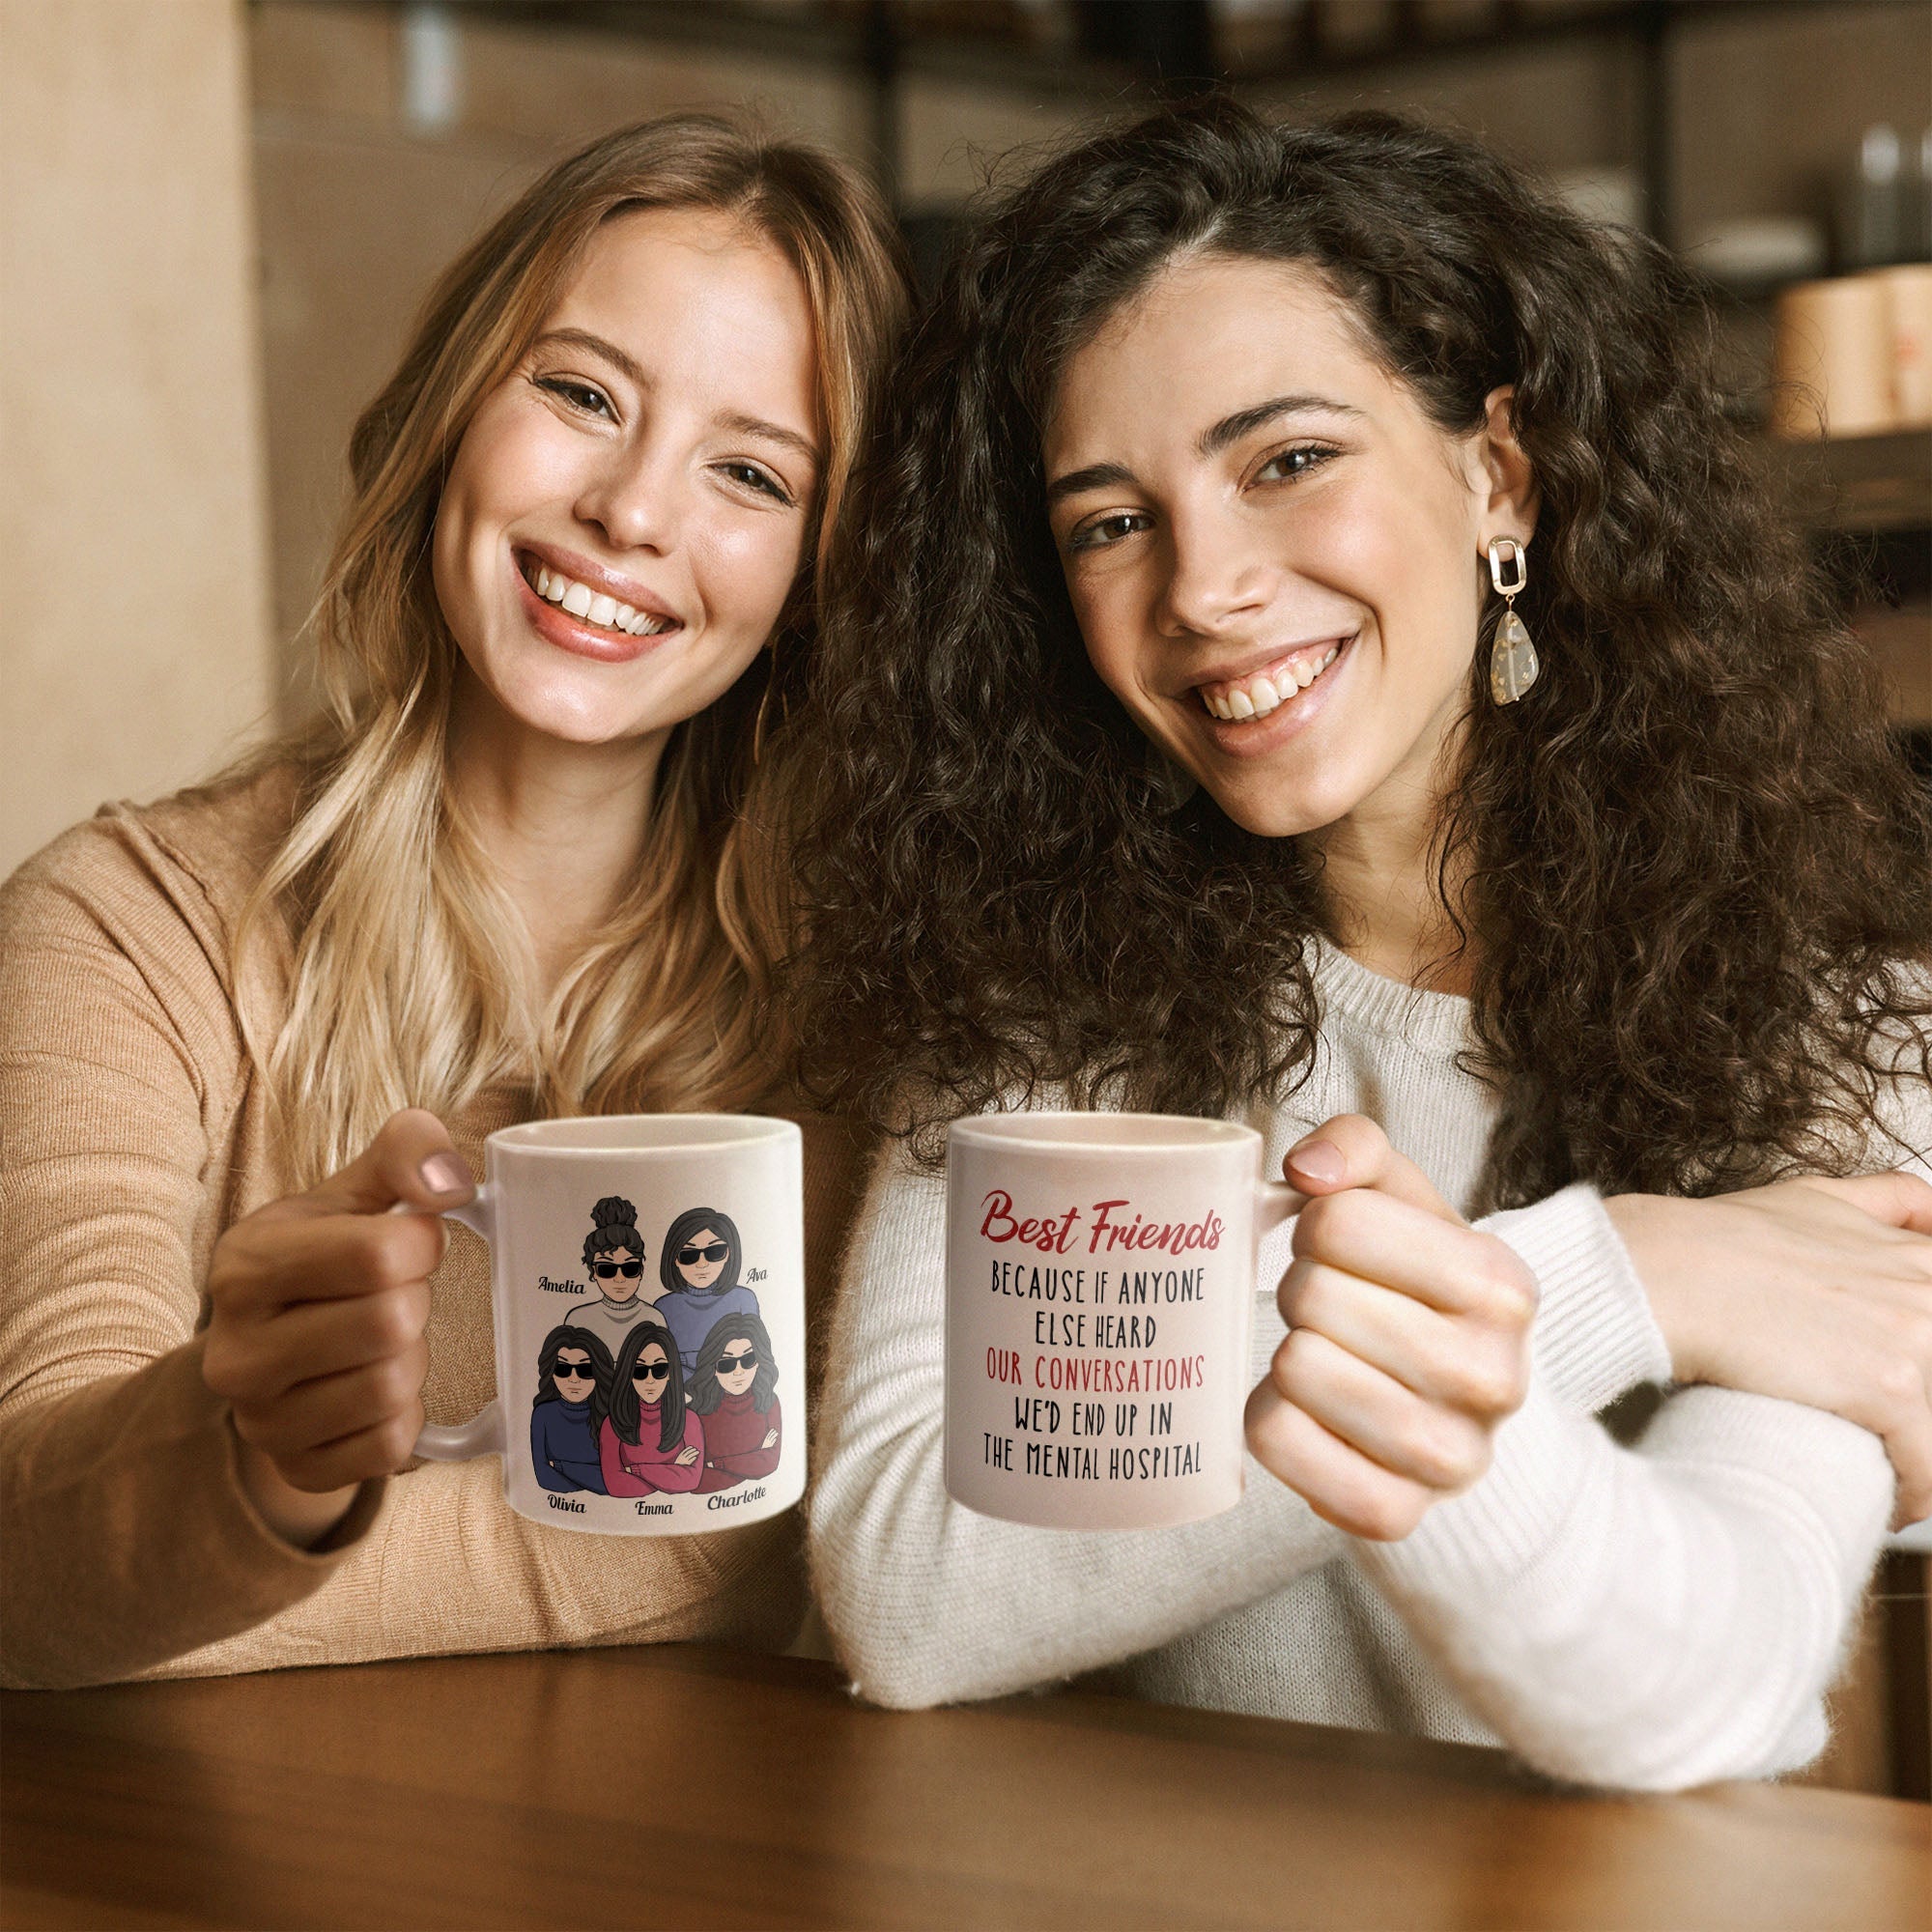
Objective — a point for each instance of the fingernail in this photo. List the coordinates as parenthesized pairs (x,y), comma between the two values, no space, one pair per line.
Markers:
(444,1173)
(1320,1160)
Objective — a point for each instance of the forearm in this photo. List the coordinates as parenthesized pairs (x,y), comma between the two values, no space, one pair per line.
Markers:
(449,1570)
(1657,1619)
(130,1538)
(621,1481)
(677,1478)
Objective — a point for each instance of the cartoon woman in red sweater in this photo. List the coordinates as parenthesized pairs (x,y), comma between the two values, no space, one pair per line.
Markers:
(649,1440)
(733,1390)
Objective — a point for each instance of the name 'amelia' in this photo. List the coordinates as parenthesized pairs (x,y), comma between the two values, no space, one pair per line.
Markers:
(1108,1232)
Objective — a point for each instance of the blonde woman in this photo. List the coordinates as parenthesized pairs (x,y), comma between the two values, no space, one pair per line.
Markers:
(517,872)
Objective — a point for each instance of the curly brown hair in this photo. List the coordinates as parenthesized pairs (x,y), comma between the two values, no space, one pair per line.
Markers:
(1697,865)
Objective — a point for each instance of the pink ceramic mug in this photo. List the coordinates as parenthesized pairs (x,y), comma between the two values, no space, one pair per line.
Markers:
(1100,1287)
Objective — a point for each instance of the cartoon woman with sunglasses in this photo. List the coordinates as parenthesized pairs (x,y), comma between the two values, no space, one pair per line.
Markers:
(650,1441)
(699,1268)
(613,1258)
(573,1387)
(733,1392)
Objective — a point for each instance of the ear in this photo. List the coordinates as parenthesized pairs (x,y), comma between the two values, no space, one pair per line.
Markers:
(1510,509)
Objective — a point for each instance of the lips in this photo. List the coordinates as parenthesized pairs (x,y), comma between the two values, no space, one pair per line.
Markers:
(1256,693)
(594,598)
(566,610)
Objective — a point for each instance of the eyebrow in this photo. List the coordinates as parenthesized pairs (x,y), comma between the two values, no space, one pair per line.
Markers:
(1244,422)
(1211,442)
(1096,476)
(633,372)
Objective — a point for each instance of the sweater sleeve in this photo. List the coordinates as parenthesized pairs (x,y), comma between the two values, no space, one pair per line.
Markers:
(756,1461)
(547,1472)
(677,1478)
(1670,1614)
(129,1536)
(1650,1618)
(1594,1337)
(618,1480)
(928,1602)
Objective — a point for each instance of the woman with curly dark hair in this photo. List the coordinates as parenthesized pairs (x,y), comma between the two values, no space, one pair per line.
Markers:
(1323,651)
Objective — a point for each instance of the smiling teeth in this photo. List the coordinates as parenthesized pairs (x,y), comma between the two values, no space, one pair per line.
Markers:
(594,606)
(1256,696)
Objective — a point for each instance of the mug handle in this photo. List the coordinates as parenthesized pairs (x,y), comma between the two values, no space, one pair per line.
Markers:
(1275,1202)
(483,1433)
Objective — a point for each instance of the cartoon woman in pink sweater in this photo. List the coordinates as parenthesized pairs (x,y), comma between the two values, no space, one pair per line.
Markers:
(649,1440)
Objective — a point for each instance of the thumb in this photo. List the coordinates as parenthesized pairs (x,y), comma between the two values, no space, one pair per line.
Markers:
(411,1161)
(1350,1150)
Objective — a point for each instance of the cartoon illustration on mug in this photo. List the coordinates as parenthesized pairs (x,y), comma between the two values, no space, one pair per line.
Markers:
(573,1391)
(732,1389)
(613,1258)
(650,1439)
(699,1268)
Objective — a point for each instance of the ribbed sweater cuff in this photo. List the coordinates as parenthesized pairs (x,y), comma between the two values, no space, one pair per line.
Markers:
(1594,1337)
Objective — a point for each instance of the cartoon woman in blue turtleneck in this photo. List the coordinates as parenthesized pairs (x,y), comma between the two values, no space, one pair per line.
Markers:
(699,1267)
(573,1392)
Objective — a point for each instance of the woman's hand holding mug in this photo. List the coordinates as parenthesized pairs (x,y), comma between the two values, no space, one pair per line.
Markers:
(318,1307)
(1408,1344)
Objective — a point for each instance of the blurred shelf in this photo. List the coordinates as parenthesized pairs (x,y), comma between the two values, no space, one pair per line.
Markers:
(1857,483)
(1867,499)
(1901,642)
(1105,46)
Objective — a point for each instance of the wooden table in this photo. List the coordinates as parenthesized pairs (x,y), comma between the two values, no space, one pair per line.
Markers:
(680,1787)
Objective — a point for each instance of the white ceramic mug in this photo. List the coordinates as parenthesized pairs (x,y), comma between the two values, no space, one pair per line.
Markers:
(647,1286)
(1100,1278)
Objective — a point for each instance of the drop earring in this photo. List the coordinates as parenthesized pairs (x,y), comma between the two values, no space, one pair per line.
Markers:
(1513,660)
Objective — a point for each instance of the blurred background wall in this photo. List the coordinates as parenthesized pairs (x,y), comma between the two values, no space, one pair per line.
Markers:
(136,649)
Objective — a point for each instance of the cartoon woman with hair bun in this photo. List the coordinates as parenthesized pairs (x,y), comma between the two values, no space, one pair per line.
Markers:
(733,1391)
(613,1258)
(650,1441)
(699,1267)
(573,1388)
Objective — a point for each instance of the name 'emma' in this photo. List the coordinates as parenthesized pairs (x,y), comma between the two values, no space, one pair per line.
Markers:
(1107,1232)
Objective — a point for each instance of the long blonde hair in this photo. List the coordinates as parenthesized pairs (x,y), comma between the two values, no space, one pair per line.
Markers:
(412,979)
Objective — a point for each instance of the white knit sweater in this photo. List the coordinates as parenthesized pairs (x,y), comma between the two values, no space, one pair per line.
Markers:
(1651,1618)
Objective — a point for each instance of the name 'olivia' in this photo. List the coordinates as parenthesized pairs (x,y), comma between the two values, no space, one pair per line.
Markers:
(1108,1234)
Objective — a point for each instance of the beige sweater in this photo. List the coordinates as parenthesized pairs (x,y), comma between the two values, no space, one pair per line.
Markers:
(132,1132)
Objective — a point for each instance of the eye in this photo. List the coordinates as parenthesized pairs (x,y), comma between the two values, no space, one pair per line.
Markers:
(749,476)
(1285,464)
(1105,530)
(583,396)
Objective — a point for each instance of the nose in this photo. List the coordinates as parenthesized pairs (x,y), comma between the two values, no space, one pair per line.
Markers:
(1219,576)
(636,499)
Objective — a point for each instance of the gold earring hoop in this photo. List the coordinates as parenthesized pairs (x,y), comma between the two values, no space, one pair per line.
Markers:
(1513,660)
